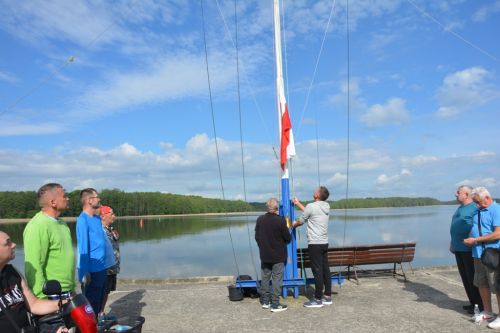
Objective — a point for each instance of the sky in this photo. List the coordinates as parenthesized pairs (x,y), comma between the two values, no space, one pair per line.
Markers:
(115,95)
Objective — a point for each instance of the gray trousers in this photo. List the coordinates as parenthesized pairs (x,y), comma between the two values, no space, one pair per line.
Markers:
(274,273)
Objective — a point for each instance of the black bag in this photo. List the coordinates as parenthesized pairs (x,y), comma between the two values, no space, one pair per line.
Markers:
(490,257)
(248,291)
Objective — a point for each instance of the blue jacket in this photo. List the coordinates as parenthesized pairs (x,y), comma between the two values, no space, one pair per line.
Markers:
(461,224)
(95,252)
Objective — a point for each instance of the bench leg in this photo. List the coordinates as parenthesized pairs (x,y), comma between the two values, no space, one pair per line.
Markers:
(394,270)
(403,270)
(412,272)
(355,274)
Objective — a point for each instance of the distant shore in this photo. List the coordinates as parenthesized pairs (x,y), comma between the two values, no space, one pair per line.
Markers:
(73,219)
(148,217)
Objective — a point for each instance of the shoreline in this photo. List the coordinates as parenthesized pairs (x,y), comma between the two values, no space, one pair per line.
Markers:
(231,278)
(72,219)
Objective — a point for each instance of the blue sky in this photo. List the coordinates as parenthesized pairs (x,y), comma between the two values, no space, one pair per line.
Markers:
(132,110)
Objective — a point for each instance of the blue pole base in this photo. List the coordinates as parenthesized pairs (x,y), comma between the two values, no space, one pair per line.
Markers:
(289,283)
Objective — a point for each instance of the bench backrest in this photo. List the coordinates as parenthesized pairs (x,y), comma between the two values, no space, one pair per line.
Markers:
(364,255)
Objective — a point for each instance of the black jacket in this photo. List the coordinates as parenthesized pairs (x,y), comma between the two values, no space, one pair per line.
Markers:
(272,235)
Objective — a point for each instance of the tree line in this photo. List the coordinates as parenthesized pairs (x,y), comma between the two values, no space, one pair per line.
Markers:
(25,205)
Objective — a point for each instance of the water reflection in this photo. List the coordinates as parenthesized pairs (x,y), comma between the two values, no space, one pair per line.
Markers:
(200,246)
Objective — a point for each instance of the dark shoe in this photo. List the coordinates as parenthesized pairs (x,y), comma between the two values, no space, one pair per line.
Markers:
(327,300)
(468,307)
(314,303)
(278,308)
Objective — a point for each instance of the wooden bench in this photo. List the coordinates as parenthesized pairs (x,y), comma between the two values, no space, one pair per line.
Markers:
(354,256)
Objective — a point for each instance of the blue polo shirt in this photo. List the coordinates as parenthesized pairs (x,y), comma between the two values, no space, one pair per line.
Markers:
(490,218)
(461,224)
(95,252)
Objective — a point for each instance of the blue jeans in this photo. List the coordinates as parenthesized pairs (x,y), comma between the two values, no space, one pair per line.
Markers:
(96,290)
(274,273)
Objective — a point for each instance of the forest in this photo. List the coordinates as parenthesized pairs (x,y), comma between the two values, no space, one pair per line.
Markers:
(24,204)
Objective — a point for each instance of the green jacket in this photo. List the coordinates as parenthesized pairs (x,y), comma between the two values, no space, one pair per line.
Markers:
(48,253)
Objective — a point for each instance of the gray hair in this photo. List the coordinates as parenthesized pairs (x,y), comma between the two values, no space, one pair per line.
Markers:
(272,205)
(480,192)
(467,189)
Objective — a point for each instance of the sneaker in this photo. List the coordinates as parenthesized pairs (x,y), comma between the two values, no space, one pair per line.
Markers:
(314,303)
(484,315)
(266,305)
(278,308)
(495,324)
(327,300)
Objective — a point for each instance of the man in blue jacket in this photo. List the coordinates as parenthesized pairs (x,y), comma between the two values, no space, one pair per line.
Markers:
(95,253)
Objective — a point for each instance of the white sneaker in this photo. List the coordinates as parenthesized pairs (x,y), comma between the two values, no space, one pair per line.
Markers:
(484,315)
(495,324)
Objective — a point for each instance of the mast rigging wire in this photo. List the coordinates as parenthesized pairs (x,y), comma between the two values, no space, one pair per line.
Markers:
(215,131)
(69,60)
(245,75)
(241,139)
(457,35)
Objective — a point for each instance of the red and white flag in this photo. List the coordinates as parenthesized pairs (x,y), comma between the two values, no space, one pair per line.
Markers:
(286,136)
(287,142)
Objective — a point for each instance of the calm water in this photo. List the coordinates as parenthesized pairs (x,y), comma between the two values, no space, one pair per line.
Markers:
(200,246)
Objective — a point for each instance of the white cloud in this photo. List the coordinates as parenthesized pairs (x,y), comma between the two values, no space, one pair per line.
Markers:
(357,101)
(337,179)
(7,77)
(381,40)
(393,112)
(485,11)
(14,128)
(485,154)
(463,90)
(192,169)
(173,77)
(84,22)
(418,160)
(488,182)
(384,180)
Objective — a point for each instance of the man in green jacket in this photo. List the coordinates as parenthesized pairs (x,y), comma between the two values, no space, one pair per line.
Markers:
(48,251)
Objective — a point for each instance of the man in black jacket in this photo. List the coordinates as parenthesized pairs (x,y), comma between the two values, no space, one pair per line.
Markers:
(272,235)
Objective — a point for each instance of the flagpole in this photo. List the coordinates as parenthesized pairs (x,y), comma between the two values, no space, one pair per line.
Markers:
(287,150)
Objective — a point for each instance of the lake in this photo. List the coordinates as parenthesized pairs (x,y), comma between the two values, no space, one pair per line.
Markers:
(200,246)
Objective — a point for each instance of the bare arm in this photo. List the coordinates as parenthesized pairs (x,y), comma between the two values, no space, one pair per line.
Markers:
(298,204)
(35,305)
(495,235)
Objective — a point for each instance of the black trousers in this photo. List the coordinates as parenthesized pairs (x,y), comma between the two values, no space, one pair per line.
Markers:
(318,253)
(465,264)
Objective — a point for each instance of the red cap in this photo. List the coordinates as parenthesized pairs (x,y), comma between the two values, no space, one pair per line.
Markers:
(105,210)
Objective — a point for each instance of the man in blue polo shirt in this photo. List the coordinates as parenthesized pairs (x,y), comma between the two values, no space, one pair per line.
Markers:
(461,224)
(485,233)
(95,253)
